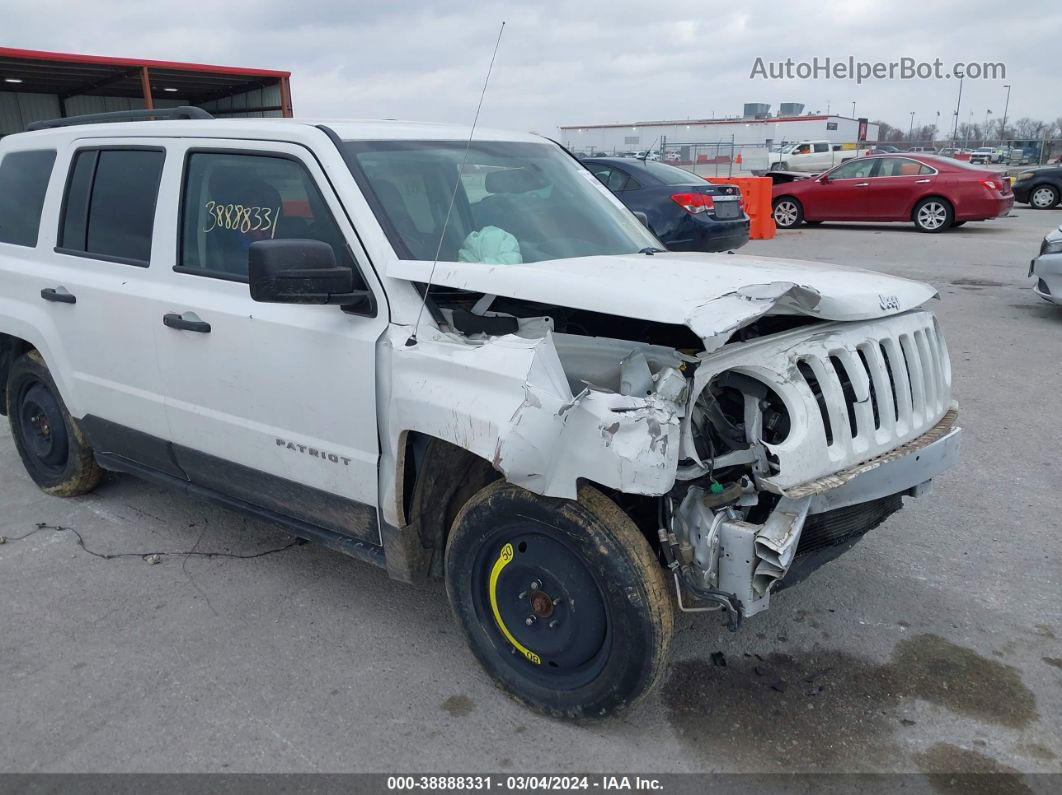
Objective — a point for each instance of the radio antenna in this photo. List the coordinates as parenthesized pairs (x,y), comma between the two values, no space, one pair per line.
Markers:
(457,185)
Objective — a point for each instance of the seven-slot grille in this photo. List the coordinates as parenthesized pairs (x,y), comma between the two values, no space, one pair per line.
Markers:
(880,388)
(853,391)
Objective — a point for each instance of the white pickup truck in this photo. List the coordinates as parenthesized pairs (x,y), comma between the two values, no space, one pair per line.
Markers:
(458,356)
(811,156)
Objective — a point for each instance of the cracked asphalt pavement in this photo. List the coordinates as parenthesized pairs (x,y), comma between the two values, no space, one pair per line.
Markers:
(933,646)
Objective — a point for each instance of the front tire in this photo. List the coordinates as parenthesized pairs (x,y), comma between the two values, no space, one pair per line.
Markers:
(1043,197)
(562,602)
(787,212)
(48,439)
(933,215)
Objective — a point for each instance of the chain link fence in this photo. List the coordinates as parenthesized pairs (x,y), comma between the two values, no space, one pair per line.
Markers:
(730,159)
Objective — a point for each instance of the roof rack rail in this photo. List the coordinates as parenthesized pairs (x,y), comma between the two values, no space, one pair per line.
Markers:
(182,112)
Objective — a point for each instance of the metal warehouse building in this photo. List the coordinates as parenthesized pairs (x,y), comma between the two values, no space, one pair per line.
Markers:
(46,85)
(633,136)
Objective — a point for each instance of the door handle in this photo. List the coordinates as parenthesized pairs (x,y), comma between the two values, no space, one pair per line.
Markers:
(58,294)
(860,184)
(173,320)
(921,181)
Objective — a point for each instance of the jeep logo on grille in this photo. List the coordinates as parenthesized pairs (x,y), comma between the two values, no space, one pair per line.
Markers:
(889,302)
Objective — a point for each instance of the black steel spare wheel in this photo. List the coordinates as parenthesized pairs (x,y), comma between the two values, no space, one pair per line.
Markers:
(562,602)
(48,439)
(42,428)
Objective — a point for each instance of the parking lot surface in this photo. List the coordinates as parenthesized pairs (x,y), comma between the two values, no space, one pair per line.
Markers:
(934,645)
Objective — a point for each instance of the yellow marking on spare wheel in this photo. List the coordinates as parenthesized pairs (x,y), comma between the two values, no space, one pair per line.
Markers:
(503,560)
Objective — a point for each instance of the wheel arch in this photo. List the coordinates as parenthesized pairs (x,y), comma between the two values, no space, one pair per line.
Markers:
(434,478)
(930,195)
(11,347)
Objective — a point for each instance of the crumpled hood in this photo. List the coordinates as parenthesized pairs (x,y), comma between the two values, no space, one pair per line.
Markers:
(712,294)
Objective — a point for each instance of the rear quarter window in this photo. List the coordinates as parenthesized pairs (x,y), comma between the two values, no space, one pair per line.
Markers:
(23,182)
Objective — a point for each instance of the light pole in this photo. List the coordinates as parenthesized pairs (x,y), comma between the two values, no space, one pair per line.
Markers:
(955,122)
(1003,124)
(853,108)
(984,133)
(910,127)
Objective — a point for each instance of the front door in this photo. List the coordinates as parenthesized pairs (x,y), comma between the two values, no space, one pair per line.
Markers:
(841,193)
(271,404)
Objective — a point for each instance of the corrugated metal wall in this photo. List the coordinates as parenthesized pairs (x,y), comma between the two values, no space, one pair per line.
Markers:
(268,97)
(19,109)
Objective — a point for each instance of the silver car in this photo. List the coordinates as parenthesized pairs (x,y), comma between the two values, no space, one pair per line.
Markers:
(1047,268)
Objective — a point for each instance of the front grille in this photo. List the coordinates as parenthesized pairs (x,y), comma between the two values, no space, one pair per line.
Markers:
(879,388)
(854,391)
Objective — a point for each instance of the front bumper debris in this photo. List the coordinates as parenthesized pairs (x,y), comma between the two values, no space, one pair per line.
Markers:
(717,550)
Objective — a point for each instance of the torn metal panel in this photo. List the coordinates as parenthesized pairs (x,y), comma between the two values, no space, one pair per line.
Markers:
(776,542)
(508,400)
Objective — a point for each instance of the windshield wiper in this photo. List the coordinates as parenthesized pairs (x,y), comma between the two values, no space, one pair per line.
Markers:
(650,250)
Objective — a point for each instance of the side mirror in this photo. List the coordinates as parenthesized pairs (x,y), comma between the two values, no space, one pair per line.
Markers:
(301,272)
(642,217)
(824,179)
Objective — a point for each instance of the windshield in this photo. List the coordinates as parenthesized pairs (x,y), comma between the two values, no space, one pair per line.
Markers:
(515,202)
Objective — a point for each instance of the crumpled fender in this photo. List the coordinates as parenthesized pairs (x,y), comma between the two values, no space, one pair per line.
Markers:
(508,401)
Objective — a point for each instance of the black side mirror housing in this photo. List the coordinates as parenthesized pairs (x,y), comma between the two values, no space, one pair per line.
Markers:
(301,272)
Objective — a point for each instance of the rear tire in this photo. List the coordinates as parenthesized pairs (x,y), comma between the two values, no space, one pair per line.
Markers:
(562,602)
(933,215)
(48,439)
(1043,197)
(787,212)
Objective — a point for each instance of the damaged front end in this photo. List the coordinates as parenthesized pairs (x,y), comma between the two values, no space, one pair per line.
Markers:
(775,422)
(796,445)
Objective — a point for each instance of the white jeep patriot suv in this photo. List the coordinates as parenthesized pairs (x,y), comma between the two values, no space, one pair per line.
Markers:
(458,356)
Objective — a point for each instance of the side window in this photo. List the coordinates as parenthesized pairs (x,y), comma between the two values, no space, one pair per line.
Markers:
(803,149)
(823,147)
(853,169)
(109,210)
(899,167)
(926,170)
(614,179)
(23,182)
(233,200)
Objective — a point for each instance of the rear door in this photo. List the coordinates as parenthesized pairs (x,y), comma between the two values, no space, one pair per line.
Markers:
(840,194)
(271,404)
(99,286)
(895,186)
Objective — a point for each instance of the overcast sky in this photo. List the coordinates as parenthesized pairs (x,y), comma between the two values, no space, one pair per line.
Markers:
(580,62)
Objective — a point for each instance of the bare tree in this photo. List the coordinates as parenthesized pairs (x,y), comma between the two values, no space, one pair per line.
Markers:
(1028,129)
(884,130)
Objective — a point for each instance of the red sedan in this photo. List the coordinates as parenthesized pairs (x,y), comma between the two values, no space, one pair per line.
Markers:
(935,193)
